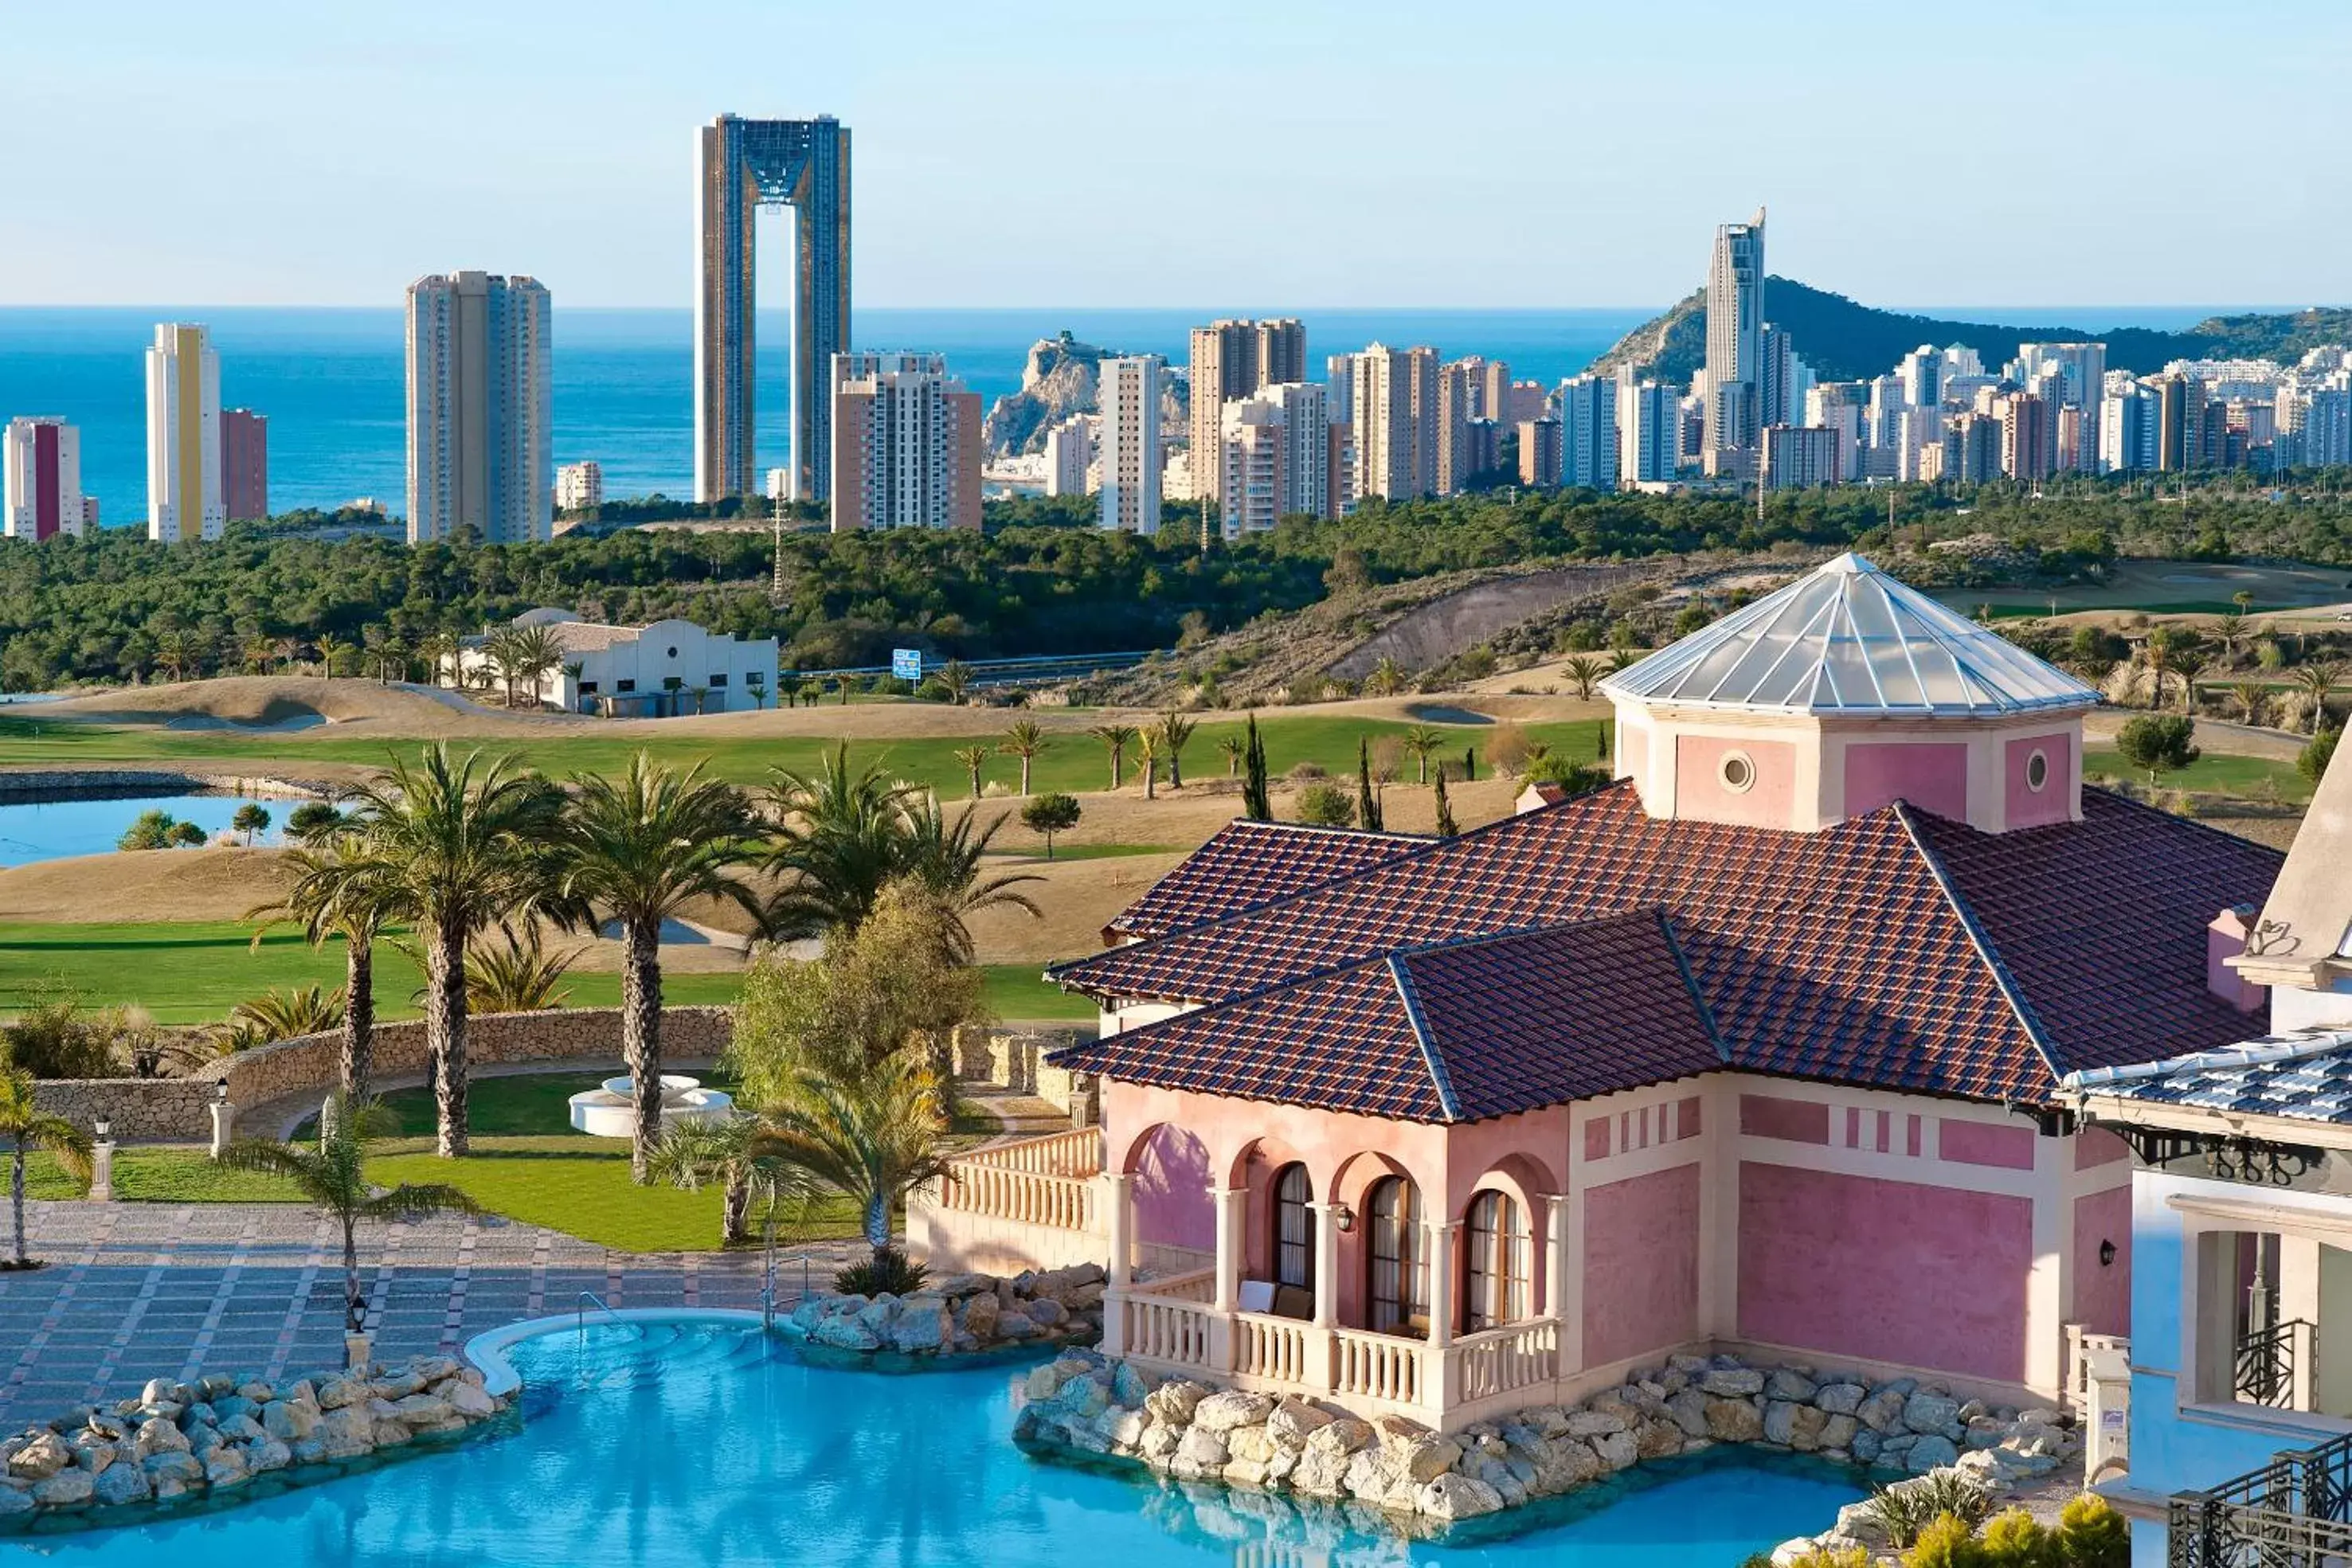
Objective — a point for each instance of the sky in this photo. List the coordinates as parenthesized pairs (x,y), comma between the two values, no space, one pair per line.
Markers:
(1298,154)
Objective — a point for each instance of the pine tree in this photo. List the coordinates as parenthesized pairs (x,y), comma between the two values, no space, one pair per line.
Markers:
(1368,800)
(1469,764)
(1255,804)
(1446,827)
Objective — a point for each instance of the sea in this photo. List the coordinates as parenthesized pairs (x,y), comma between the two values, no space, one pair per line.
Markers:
(331,379)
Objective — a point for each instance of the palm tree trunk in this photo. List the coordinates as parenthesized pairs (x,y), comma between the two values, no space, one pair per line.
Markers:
(1025,775)
(445,1033)
(16,1200)
(354,1303)
(878,1222)
(734,1208)
(641,990)
(359,1015)
(1116,759)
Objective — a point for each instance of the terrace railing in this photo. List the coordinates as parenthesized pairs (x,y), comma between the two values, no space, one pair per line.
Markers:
(2293,1512)
(1504,1360)
(1077,1153)
(1367,1366)
(1046,1181)
(2274,1366)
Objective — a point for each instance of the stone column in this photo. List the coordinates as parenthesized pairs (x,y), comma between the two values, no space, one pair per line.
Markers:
(1117,1199)
(1226,1300)
(224,1126)
(1555,1257)
(1441,1282)
(1326,1263)
(102,1171)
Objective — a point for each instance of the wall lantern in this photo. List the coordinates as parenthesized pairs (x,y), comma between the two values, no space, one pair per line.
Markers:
(101,1125)
(1344,1218)
(220,1092)
(2106,1254)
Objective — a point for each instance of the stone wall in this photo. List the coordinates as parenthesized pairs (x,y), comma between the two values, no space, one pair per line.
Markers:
(175,1108)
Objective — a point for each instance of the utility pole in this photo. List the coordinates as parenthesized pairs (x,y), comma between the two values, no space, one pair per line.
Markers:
(776,580)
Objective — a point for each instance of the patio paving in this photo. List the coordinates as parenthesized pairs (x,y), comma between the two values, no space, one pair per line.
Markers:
(135,1290)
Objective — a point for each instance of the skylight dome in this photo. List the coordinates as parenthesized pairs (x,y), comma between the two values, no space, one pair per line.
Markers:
(1849,639)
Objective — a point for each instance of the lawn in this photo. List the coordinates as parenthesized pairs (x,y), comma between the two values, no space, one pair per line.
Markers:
(195,971)
(2253,777)
(1069,762)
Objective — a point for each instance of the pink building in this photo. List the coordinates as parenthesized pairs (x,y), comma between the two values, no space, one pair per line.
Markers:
(245,463)
(40,479)
(1756,1048)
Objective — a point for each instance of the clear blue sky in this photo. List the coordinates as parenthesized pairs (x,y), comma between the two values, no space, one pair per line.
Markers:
(1308,152)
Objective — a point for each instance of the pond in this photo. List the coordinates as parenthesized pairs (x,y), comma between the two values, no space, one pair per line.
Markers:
(35,831)
(698,1443)
(1446,712)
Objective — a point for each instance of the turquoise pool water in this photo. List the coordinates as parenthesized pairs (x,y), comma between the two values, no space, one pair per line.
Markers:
(675,1443)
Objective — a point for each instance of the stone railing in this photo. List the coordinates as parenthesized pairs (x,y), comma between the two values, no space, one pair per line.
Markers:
(1505,1360)
(168,1109)
(1077,1153)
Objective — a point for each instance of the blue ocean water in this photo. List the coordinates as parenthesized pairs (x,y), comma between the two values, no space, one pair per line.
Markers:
(331,380)
(666,1444)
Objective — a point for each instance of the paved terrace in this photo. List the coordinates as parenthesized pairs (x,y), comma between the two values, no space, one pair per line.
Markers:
(135,1290)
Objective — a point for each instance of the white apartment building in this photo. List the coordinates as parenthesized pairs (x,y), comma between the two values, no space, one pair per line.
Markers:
(1588,432)
(480,456)
(1277,458)
(1394,408)
(906,444)
(579,486)
(1070,455)
(1130,452)
(667,668)
(1798,457)
(40,480)
(1838,405)
(1649,432)
(184,450)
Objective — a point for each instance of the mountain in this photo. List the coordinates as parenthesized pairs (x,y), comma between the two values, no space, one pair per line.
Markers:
(1059,381)
(1843,340)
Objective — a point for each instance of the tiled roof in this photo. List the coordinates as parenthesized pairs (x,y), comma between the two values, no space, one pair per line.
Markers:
(1456,1032)
(2306,1077)
(1894,949)
(1246,864)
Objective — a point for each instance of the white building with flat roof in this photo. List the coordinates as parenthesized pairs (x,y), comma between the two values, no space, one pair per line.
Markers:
(667,668)
(1129,443)
(184,452)
(40,479)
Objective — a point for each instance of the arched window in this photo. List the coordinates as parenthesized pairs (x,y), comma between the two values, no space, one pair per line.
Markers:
(1398,1291)
(1498,1258)
(1294,1228)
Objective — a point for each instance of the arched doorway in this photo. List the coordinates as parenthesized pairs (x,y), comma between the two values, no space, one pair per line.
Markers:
(1294,1228)
(1497,1262)
(1396,1254)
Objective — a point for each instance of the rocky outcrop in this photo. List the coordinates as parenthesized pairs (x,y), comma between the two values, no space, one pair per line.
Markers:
(961,1314)
(1189,1431)
(215,1434)
(1060,378)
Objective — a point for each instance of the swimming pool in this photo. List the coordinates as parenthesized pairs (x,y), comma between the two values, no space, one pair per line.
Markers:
(682,1442)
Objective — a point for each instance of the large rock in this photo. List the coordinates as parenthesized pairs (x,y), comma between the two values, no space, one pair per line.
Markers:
(1083,1396)
(225,1468)
(1659,1439)
(842,1334)
(1687,1410)
(121,1484)
(467,1399)
(16,1500)
(1320,1472)
(1924,1411)
(1840,1398)
(1883,1411)
(1561,1464)
(65,1488)
(1594,1423)
(1047,1311)
(980,1316)
(1201,1455)
(1930,1453)
(1734,1421)
(289,1420)
(923,1327)
(347,1431)
(1341,1436)
(42,1458)
(1175,1400)
(173,1464)
(1791,1386)
(1292,1421)
(1729,1383)
(268,1454)
(1419,1458)
(1616,1450)
(1453,1497)
(1224,1412)
(157,1435)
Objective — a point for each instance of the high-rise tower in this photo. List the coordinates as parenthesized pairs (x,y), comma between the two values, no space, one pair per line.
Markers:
(183,473)
(479,454)
(747,164)
(1735,315)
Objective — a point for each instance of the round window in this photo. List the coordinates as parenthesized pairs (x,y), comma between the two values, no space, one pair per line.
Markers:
(2037,771)
(673,653)
(1737,771)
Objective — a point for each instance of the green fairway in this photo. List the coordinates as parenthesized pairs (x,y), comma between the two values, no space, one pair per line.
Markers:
(2255,778)
(170,1175)
(1069,762)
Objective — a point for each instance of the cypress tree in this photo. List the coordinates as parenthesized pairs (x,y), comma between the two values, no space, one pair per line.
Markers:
(1446,827)
(1470,764)
(1368,800)
(1255,803)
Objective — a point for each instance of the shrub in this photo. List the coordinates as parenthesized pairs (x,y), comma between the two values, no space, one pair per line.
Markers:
(2092,1535)
(1905,1509)
(2017,1539)
(1307,772)
(1507,749)
(1947,1542)
(1325,805)
(313,821)
(1576,777)
(2312,761)
(889,1272)
(150,829)
(187,835)
(56,1038)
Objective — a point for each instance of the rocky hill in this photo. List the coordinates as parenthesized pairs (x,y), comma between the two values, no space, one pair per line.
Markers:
(1843,340)
(1060,379)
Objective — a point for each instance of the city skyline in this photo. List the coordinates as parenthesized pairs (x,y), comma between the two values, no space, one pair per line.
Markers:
(592,194)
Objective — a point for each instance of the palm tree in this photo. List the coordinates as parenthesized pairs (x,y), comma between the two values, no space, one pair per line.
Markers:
(175,653)
(340,892)
(2316,680)
(1147,742)
(974,759)
(536,652)
(333,1179)
(1422,743)
(277,1014)
(875,1139)
(1235,749)
(1116,740)
(331,648)
(463,845)
(955,679)
(835,847)
(2162,643)
(2188,665)
(1175,733)
(640,849)
(516,973)
(1585,670)
(950,864)
(254,652)
(1024,740)
(695,1153)
(29,1127)
(440,651)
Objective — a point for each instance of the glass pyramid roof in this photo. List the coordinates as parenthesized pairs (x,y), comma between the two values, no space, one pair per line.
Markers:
(1850,639)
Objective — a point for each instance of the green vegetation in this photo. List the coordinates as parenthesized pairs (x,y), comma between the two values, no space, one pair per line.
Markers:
(167,1174)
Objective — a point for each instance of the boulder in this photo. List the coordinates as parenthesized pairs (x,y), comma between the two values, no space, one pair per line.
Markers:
(1839,1398)
(1453,1497)
(922,1330)
(1659,1439)
(173,1464)
(225,1468)
(1046,1312)
(347,1432)
(1594,1423)
(117,1485)
(257,1391)
(240,1428)
(1340,1436)
(1250,1445)
(1127,1386)
(1174,1401)
(1292,1421)
(1616,1450)
(268,1454)
(1926,1412)
(65,1488)
(1726,1382)
(1159,1443)
(467,1399)
(337,1391)
(1791,1386)
(1734,1421)
(1224,1412)
(288,1420)
(1200,1455)
(1320,1472)
(845,1333)
(1883,1411)
(93,1454)
(1839,1432)
(1687,1410)
(157,1435)
(1083,1396)
(1419,1458)
(980,1316)
(1125,1427)
(391,1434)
(1015,1325)
(1931,1452)
(420,1410)
(159,1390)
(41,1459)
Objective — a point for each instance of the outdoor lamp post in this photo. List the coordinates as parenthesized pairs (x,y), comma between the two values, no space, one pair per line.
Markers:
(224,1118)
(101,1158)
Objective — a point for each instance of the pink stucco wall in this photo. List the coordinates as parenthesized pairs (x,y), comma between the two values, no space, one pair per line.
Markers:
(1791,1121)
(1633,743)
(2103,1295)
(1932,776)
(1172,1191)
(2054,801)
(1890,1270)
(1699,792)
(2225,938)
(1640,1264)
(1978,1143)
(2096,1146)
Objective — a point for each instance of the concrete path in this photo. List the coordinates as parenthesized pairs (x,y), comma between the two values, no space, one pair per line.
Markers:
(135,1290)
